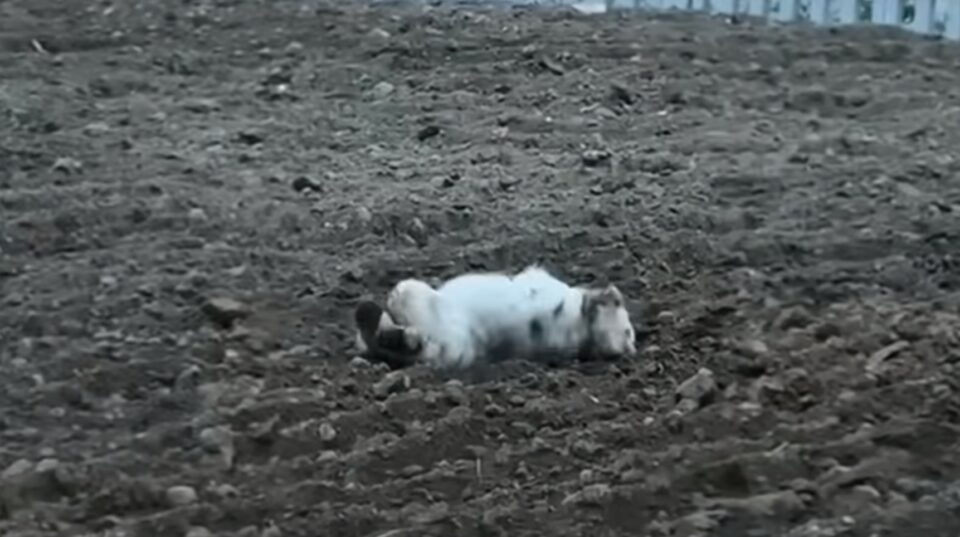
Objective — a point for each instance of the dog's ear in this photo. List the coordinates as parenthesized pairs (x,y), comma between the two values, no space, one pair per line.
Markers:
(384,341)
(611,296)
(367,317)
(594,299)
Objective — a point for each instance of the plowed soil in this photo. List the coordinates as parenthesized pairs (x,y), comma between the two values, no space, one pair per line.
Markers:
(194,195)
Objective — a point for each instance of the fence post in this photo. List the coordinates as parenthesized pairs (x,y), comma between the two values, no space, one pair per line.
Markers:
(953,20)
(788,10)
(818,11)
(888,12)
(758,8)
(848,13)
(728,7)
(923,16)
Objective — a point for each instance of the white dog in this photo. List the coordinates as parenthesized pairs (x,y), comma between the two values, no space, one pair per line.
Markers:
(488,317)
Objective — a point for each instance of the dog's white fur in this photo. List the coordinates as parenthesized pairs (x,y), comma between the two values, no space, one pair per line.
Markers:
(480,316)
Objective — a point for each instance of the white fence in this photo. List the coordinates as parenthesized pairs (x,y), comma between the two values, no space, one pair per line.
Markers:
(931,17)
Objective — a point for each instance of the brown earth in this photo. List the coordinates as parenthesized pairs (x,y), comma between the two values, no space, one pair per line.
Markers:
(780,204)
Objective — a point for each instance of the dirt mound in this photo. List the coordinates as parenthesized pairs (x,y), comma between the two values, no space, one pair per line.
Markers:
(195,194)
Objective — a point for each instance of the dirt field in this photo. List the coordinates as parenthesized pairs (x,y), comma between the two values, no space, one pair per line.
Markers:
(194,195)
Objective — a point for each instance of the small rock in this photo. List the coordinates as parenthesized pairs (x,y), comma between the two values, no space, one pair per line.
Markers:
(379,33)
(67,165)
(327,432)
(412,470)
(428,132)
(382,90)
(219,440)
(604,112)
(455,394)
(781,504)
(876,360)
(295,47)
(18,467)
(431,398)
(364,215)
(198,531)
(226,491)
(585,448)
(459,415)
(595,157)
(188,379)
(95,129)
(587,476)
(47,465)
(197,214)
(868,492)
(305,183)
(699,523)
(666,317)
(507,183)
(796,317)
(265,431)
(494,410)
(358,362)
(620,93)
(327,455)
(753,348)
(224,311)
(552,66)
(443,181)
(915,487)
(181,495)
(419,231)
(808,98)
(392,382)
(271,530)
(277,92)
(248,531)
(699,389)
(201,105)
(250,137)
(591,495)
(635,475)
(431,514)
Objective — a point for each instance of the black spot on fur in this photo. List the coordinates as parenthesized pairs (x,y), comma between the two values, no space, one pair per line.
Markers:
(557,311)
(536,330)
(590,308)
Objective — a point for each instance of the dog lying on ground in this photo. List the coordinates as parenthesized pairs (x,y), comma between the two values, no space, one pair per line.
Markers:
(489,317)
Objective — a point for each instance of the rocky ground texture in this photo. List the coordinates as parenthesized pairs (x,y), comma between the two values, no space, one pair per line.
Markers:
(195,194)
